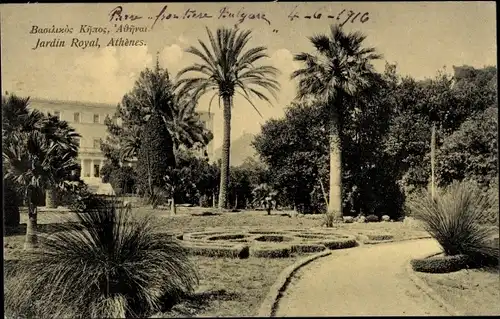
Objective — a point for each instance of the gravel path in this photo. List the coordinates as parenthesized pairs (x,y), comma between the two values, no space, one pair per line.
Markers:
(367,280)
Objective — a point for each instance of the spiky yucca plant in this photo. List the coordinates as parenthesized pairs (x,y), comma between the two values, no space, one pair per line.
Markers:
(453,218)
(110,264)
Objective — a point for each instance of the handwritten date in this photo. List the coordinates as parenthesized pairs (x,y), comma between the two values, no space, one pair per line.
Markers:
(342,17)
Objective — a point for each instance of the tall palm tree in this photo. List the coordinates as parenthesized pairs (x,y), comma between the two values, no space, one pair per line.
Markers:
(64,138)
(339,68)
(228,69)
(39,153)
(36,163)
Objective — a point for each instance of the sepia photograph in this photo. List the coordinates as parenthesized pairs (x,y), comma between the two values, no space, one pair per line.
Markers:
(250,159)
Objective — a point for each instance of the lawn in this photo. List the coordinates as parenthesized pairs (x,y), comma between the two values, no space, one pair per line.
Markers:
(228,287)
(472,292)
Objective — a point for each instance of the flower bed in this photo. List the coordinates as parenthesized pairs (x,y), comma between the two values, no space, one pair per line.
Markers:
(264,243)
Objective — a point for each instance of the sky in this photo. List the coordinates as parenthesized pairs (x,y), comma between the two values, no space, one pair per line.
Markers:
(420,37)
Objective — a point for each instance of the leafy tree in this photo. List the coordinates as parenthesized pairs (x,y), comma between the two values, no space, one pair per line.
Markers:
(294,148)
(445,102)
(471,152)
(239,189)
(228,69)
(258,172)
(153,92)
(337,70)
(123,180)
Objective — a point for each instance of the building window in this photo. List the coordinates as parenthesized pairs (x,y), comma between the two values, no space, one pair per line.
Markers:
(97,143)
(57,114)
(96,170)
(96,118)
(76,117)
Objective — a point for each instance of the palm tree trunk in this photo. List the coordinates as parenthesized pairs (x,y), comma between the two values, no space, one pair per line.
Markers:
(173,208)
(335,198)
(31,240)
(50,198)
(226,144)
(433,161)
(214,201)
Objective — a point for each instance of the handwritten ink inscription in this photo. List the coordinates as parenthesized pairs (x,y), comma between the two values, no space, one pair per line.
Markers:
(126,23)
(341,18)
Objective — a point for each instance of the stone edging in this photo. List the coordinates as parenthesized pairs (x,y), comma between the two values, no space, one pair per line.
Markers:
(268,306)
(376,242)
(428,290)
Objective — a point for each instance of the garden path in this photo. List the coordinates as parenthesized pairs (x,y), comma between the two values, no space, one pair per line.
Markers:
(367,280)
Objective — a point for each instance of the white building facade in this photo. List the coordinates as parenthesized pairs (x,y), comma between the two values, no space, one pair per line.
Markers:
(87,119)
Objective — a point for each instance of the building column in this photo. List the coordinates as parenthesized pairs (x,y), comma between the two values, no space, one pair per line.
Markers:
(101,164)
(82,168)
(92,168)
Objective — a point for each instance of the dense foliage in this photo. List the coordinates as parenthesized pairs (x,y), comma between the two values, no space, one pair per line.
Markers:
(386,142)
(155,156)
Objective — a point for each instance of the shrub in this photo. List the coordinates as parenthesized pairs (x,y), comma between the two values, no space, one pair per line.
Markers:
(329,219)
(453,217)
(371,218)
(123,179)
(117,266)
(348,219)
(441,264)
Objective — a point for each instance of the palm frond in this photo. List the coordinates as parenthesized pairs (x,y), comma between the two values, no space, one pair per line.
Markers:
(108,263)
(453,219)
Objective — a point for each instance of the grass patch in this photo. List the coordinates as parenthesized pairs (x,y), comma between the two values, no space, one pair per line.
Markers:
(472,292)
(245,283)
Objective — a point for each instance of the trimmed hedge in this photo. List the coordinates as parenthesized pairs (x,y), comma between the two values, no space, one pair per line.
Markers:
(339,243)
(440,264)
(237,251)
(379,236)
(271,252)
(273,238)
(307,248)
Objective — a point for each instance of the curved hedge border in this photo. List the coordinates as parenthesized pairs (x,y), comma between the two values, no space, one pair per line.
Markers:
(236,251)
(429,291)
(440,264)
(264,243)
(271,252)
